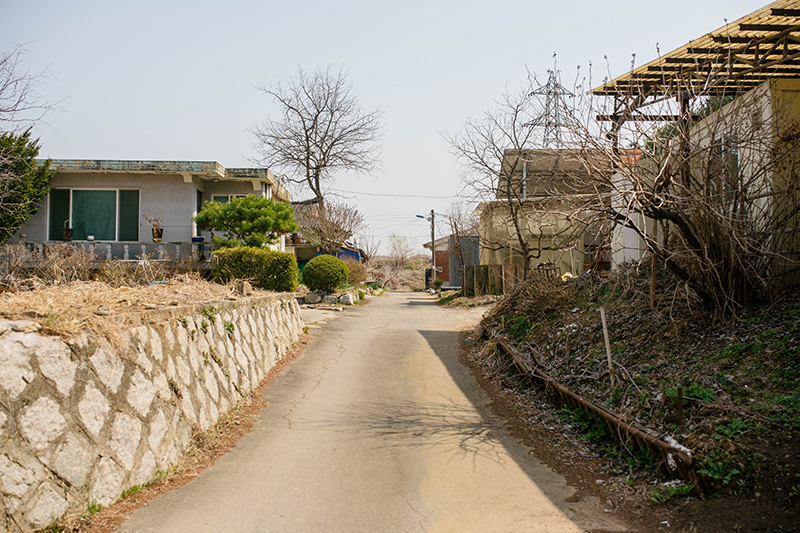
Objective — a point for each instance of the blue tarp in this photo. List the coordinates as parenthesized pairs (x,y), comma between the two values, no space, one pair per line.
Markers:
(344,253)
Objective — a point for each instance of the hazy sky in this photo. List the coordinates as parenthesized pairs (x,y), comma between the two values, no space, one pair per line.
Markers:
(174,80)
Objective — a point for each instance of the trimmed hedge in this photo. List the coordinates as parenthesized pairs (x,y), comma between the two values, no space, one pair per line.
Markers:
(264,268)
(324,273)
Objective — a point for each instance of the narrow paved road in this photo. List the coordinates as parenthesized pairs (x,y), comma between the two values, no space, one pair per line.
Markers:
(377,427)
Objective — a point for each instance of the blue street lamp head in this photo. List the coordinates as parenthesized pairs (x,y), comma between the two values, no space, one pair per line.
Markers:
(420,216)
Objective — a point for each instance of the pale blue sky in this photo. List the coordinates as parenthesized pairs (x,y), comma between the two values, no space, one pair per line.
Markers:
(175,80)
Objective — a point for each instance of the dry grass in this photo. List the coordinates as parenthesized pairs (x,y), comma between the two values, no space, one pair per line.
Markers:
(82,306)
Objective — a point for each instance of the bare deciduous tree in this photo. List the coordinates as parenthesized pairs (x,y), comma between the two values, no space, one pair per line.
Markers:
(401,249)
(531,199)
(713,196)
(328,224)
(23,182)
(321,129)
(463,224)
(21,105)
(370,246)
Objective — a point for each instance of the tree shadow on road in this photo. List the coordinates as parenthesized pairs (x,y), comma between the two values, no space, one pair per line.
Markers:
(499,428)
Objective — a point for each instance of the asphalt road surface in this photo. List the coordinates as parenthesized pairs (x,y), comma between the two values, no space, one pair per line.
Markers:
(377,427)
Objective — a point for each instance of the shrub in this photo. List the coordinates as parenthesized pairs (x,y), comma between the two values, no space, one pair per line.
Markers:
(23,182)
(264,268)
(358,273)
(324,273)
(246,221)
(63,263)
(13,259)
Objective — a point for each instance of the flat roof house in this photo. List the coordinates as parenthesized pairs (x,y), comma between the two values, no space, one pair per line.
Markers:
(107,202)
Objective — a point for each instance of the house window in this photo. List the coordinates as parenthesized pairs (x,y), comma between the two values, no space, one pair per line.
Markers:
(106,214)
(225,198)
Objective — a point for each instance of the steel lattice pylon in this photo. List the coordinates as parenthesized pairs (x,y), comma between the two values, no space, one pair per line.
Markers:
(551,119)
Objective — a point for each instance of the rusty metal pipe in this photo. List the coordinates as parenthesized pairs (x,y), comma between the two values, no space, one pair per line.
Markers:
(683,461)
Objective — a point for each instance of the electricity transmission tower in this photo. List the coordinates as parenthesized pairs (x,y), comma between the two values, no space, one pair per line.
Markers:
(551,119)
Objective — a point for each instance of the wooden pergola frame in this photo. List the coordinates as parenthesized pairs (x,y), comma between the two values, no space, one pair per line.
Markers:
(731,60)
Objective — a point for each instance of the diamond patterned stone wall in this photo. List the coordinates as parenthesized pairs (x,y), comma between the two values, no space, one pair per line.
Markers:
(83,419)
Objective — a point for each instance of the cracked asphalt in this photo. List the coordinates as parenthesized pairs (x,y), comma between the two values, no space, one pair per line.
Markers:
(377,427)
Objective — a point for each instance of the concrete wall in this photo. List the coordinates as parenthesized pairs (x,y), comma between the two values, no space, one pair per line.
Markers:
(81,420)
(544,227)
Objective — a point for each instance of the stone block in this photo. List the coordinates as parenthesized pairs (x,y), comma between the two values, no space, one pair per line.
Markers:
(140,347)
(106,482)
(312,298)
(347,299)
(55,363)
(188,408)
(15,362)
(24,326)
(141,393)
(162,386)
(194,358)
(182,335)
(109,368)
(184,373)
(210,383)
(244,288)
(126,433)
(156,348)
(167,338)
(146,469)
(41,423)
(73,460)
(47,505)
(15,479)
(329,299)
(93,409)
(158,428)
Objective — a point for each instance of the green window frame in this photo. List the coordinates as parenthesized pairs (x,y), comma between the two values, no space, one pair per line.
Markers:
(105,214)
(225,198)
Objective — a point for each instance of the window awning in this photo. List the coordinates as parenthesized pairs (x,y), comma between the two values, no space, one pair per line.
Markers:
(733,59)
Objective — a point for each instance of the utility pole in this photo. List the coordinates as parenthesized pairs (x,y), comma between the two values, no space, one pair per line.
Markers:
(432,220)
(433,248)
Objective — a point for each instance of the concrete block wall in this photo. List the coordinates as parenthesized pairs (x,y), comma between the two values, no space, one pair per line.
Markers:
(85,418)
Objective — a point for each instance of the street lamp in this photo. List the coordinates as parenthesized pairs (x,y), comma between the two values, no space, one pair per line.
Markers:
(431,218)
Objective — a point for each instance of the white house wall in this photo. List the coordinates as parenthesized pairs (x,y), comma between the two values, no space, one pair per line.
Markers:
(165,196)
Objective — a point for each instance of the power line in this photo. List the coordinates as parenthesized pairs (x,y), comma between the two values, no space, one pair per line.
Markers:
(398,195)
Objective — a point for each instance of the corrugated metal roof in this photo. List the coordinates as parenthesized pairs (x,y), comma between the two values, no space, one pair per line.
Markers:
(733,59)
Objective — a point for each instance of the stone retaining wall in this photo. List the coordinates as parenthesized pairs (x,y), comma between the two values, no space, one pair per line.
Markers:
(81,421)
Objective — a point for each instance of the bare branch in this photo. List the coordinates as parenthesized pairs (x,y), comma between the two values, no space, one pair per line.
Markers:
(329,224)
(321,130)
(21,105)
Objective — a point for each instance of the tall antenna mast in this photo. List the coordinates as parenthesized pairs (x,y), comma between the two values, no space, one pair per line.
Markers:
(551,119)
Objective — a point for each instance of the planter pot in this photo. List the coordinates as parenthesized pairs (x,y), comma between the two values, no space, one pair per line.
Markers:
(158,234)
(67,234)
